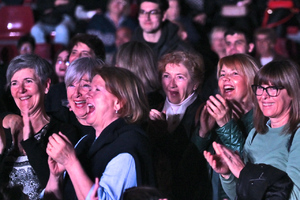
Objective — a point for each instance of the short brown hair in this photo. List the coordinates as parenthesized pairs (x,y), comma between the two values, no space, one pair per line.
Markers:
(193,62)
(129,90)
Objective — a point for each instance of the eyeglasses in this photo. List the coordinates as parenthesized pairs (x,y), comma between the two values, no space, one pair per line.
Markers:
(66,62)
(272,91)
(151,13)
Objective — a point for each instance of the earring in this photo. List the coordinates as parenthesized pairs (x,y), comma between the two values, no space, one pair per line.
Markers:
(116,111)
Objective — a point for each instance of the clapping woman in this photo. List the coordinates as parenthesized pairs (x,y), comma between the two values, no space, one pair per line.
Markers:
(117,153)
(232,109)
(25,165)
(274,143)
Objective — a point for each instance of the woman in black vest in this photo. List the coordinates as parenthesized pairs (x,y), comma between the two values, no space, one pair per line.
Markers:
(117,153)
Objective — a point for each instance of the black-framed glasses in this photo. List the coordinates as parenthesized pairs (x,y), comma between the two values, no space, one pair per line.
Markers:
(272,91)
(151,13)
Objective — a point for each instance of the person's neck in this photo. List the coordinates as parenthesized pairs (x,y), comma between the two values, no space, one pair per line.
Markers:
(267,54)
(103,124)
(152,37)
(221,54)
(61,79)
(280,121)
(38,120)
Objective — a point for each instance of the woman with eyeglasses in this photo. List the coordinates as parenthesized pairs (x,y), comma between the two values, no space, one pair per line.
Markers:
(61,64)
(270,162)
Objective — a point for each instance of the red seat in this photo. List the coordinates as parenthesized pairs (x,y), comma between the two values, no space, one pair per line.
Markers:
(15,22)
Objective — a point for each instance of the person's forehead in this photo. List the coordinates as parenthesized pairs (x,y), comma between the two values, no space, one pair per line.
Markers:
(236,36)
(148,5)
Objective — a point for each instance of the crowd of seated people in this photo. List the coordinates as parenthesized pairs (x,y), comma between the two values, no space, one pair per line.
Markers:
(164,103)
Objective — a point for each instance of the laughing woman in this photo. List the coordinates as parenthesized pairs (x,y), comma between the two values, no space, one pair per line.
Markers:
(272,148)
(25,164)
(117,153)
(230,113)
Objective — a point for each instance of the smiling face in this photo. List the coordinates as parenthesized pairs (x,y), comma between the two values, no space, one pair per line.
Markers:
(61,64)
(177,83)
(150,24)
(80,50)
(102,105)
(276,108)
(76,94)
(27,91)
(233,84)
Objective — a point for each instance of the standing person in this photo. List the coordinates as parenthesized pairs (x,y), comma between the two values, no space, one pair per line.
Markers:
(160,34)
(173,124)
(273,144)
(25,164)
(54,15)
(117,153)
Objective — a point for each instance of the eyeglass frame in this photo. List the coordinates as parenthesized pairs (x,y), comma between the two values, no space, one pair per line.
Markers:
(66,62)
(278,88)
(144,14)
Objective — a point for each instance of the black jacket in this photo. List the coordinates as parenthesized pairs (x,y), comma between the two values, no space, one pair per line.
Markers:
(169,40)
(119,137)
(263,182)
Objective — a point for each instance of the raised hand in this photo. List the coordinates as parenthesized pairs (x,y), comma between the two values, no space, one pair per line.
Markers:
(207,122)
(61,149)
(157,115)
(219,109)
(216,161)
(232,159)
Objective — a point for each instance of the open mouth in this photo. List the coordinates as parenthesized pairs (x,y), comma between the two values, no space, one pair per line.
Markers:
(62,69)
(267,104)
(91,108)
(173,93)
(24,98)
(80,103)
(228,88)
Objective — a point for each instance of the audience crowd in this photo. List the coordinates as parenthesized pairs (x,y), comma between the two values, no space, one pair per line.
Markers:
(153,99)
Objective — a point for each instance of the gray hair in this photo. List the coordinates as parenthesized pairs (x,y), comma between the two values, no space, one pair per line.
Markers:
(42,68)
(80,67)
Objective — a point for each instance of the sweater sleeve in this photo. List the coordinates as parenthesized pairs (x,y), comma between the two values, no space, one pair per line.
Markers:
(234,133)
(38,159)
(293,165)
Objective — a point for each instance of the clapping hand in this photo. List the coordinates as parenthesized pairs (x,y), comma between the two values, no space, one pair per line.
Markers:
(219,109)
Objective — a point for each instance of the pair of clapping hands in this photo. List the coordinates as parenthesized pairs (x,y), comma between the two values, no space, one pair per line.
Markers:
(218,110)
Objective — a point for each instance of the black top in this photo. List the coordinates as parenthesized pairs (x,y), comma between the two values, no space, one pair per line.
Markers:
(36,148)
(119,137)
(169,40)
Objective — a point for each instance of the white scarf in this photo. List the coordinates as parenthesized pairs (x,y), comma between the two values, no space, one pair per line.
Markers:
(175,112)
